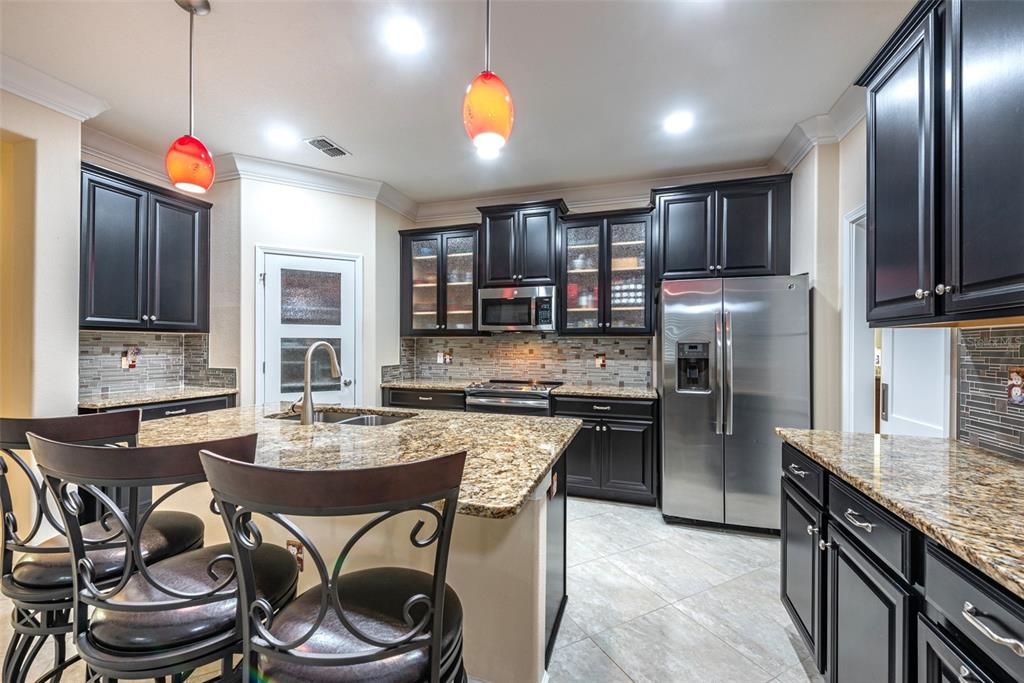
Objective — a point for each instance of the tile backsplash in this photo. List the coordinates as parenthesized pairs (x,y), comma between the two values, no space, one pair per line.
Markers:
(164,361)
(628,360)
(988,414)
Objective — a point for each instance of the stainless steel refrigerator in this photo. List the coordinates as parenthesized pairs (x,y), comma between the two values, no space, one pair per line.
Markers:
(734,363)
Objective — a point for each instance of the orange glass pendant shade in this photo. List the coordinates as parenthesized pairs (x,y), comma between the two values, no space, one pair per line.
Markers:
(488,114)
(189,165)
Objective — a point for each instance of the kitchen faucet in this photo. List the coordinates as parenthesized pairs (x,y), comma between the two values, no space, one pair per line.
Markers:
(307,393)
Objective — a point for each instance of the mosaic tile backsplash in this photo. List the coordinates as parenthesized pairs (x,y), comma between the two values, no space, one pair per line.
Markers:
(164,361)
(991,389)
(628,360)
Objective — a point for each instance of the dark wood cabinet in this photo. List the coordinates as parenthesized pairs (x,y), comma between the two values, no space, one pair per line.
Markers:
(144,256)
(438,281)
(940,660)
(868,615)
(156,411)
(945,165)
(614,455)
(518,244)
(732,228)
(803,568)
(432,399)
(606,274)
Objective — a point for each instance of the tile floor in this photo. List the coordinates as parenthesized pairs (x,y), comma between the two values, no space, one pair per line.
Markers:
(664,603)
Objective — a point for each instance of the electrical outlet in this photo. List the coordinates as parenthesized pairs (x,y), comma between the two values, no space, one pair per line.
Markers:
(296,549)
(600,360)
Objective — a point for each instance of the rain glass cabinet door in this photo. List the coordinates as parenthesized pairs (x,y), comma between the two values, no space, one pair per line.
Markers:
(583,278)
(425,266)
(459,263)
(629,308)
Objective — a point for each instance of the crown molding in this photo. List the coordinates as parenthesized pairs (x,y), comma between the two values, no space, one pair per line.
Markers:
(106,150)
(32,84)
(824,129)
(579,198)
(241,166)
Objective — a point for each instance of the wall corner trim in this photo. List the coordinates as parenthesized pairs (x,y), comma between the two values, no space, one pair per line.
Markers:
(823,129)
(103,149)
(25,81)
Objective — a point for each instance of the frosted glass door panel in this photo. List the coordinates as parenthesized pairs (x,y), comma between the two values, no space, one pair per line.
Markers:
(583,277)
(628,281)
(459,252)
(425,293)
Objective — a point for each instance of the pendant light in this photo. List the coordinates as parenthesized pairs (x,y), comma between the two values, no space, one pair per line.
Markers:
(487,110)
(188,162)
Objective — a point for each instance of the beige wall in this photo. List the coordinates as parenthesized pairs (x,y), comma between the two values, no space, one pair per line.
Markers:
(385,287)
(853,172)
(48,313)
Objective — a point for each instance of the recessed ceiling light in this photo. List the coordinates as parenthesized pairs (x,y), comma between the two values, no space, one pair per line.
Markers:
(403,35)
(282,136)
(678,122)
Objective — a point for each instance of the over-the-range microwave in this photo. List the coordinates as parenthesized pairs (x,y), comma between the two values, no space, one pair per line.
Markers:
(516,309)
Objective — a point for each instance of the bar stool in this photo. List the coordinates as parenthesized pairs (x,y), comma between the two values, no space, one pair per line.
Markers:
(163,618)
(386,624)
(39,583)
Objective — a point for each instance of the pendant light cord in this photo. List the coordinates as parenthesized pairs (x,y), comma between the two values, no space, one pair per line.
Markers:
(191,72)
(487,40)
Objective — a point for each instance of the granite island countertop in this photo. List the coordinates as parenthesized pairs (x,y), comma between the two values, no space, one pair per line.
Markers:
(969,500)
(507,455)
(584,390)
(144,396)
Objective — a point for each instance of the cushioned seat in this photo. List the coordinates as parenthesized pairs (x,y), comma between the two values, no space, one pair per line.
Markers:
(276,577)
(373,600)
(166,534)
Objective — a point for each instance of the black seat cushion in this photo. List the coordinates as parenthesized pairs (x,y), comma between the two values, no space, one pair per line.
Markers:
(165,534)
(119,631)
(373,600)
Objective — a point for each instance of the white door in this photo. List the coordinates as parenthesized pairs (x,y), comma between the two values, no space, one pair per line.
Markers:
(308,299)
(916,382)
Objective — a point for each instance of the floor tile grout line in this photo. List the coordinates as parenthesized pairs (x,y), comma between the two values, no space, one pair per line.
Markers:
(612,660)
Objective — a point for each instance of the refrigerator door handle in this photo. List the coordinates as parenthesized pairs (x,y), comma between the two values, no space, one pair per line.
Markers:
(719,373)
(728,393)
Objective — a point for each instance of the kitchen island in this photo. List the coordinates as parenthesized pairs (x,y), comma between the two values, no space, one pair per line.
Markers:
(508,573)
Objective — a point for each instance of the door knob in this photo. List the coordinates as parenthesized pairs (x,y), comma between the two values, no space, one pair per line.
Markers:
(346,382)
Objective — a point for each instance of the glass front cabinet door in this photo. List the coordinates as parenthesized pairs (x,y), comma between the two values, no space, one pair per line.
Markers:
(606,283)
(438,280)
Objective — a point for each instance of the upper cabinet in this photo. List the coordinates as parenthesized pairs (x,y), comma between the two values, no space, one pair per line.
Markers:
(726,229)
(144,256)
(606,274)
(945,165)
(438,286)
(518,244)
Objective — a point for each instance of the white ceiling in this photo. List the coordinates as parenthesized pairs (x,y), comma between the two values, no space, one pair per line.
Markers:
(591,80)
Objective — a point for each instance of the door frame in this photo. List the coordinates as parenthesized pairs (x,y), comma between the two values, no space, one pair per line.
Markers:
(848,262)
(260,332)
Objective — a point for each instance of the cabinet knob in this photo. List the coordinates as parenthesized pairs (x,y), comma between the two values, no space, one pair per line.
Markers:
(152,318)
(922,293)
(711,268)
(811,529)
(145,317)
(941,289)
(443,326)
(718,267)
(822,545)
(437,326)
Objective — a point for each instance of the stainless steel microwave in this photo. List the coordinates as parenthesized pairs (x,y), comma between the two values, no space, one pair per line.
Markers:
(516,309)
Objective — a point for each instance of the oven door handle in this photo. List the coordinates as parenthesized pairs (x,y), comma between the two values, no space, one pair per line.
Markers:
(507,402)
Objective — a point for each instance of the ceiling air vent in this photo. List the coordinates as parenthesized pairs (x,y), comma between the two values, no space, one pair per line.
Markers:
(327,146)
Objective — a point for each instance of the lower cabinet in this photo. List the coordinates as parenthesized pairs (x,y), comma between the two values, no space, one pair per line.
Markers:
(868,615)
(939,660)
(803,568)
(420,398)
(156,411)
(612,458)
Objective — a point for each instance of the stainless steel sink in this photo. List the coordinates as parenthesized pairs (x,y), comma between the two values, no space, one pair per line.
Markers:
(329,417)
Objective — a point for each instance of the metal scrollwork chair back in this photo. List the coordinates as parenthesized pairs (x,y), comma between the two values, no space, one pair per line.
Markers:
(142,590)
(332,626)
(43,611)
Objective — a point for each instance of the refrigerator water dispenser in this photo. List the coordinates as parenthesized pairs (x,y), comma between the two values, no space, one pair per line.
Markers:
(693,362)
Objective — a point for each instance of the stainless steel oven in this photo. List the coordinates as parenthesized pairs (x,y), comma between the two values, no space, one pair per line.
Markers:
(516,309)
(510,397)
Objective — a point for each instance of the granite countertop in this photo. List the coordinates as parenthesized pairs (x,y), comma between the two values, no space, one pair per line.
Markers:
(142,397)
(596,391)
(507,455)
(969,500)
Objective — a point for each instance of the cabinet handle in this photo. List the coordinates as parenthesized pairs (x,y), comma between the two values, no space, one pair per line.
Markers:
(601,407)
(972,615)
(425,398)
(822,545)
(941,289)
(966,675)
(811,529)
(795,469)
(922,293)
(179,411)
(851,517)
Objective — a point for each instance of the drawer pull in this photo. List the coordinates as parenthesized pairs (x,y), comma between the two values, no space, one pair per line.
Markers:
(425,398)
(851,517)
(179,411)
(602,407)
(973,617)
(966,675)
(811,529)
(795,469)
